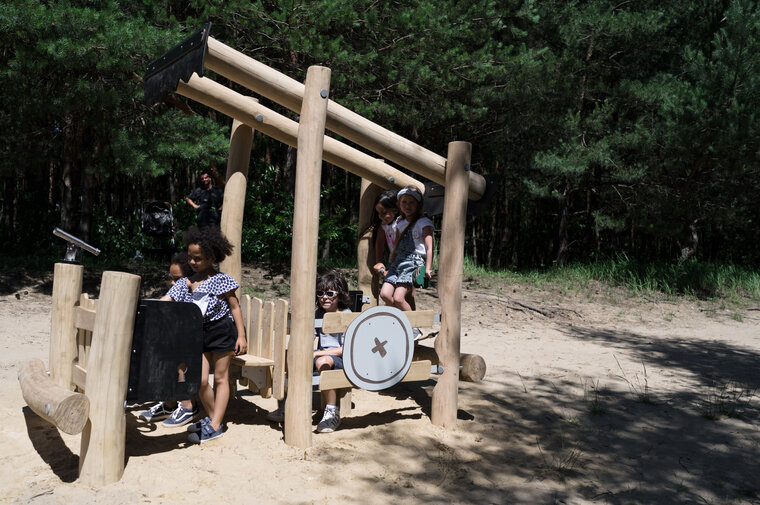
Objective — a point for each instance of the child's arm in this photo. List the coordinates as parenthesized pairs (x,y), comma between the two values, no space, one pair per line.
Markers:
(166,298)
(241,346)
(379,244)
(427,237)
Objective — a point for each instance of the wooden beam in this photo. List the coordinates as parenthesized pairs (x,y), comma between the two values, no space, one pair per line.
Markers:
(336,379)
(84,318)
(303,270)
(443,411)
(338,322)
(288,92)
(63,408)
(242,108)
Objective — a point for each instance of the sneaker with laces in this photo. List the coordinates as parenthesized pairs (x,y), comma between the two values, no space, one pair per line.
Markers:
(155,413)
(180,417)
(196,427)
(330,421)
(207,433)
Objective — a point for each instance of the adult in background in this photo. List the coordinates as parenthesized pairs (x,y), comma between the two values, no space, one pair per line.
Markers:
(209,198)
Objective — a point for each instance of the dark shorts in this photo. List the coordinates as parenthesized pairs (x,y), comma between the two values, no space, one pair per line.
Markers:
(337,364)
(219,336)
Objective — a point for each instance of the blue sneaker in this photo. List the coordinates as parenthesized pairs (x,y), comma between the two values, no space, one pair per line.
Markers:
(180,417)
(196,427)
(155,413)
(207,433)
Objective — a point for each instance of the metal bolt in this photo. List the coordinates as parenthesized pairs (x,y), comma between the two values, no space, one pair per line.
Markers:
(391,180)
(323,93)
(47,409)
(259,118)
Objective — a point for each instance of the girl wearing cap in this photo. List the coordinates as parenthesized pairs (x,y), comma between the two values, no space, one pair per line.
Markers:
(414,248)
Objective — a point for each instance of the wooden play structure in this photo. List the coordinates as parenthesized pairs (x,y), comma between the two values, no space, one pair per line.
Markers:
(91,341)
(181,70)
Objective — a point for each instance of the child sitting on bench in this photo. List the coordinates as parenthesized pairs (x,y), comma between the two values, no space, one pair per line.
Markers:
(332,296)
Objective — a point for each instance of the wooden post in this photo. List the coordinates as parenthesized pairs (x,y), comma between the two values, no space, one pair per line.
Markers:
(241,141)
(101,458)
(365,250)
(444,405)
(67,286)
(303,270)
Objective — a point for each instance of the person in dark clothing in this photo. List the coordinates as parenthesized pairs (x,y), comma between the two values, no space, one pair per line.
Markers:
(209,198)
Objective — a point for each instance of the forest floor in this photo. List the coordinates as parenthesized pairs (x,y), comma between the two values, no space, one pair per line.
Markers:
(590,396)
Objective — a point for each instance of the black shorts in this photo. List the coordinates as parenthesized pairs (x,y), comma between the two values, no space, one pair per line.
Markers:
(219,336)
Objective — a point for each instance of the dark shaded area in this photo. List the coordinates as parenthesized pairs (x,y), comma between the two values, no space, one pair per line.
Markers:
(48,443)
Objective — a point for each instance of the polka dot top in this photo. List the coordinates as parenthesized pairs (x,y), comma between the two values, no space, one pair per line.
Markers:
(206,295)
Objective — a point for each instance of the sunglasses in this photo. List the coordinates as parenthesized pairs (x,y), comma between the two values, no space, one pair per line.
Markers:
(329,294)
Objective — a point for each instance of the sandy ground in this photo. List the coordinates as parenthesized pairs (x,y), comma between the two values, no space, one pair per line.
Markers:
(597,398)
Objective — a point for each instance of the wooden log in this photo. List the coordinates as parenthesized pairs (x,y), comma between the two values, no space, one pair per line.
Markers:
(443,410)
(263,79)
(311,136)
(67,286)
(277,126)
(472,367)
(65,409)
(241,141)
(101,459)
(365,250)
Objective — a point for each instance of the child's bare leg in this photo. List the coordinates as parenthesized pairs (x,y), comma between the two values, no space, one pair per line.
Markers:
(399,297)
(386,293)
(410,299)
(323,363)
(206,393)
(222,383)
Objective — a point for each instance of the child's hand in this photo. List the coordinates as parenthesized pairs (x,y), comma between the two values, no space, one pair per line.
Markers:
(241,346)
(379,268)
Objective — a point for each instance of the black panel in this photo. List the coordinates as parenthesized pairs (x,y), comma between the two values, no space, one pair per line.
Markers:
(167,336)
(180,62)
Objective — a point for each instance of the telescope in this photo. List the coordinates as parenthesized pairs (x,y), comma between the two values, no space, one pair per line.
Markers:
(74,245)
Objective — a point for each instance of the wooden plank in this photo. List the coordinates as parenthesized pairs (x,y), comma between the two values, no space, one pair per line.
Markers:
(338,322)
(245,360)
(336,379)
(254,327)
(84,318)
(278,348)
(267,335)
(84,337)
(80,378)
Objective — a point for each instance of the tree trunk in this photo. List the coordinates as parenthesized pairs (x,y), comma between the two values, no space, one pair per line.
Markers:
(564,243)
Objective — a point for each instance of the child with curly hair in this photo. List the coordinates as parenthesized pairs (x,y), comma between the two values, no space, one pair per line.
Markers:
(223,331)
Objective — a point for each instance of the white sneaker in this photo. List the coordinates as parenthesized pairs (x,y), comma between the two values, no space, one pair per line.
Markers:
(330,421)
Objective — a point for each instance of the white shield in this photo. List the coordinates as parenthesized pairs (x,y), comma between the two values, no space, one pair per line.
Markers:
(378,348)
